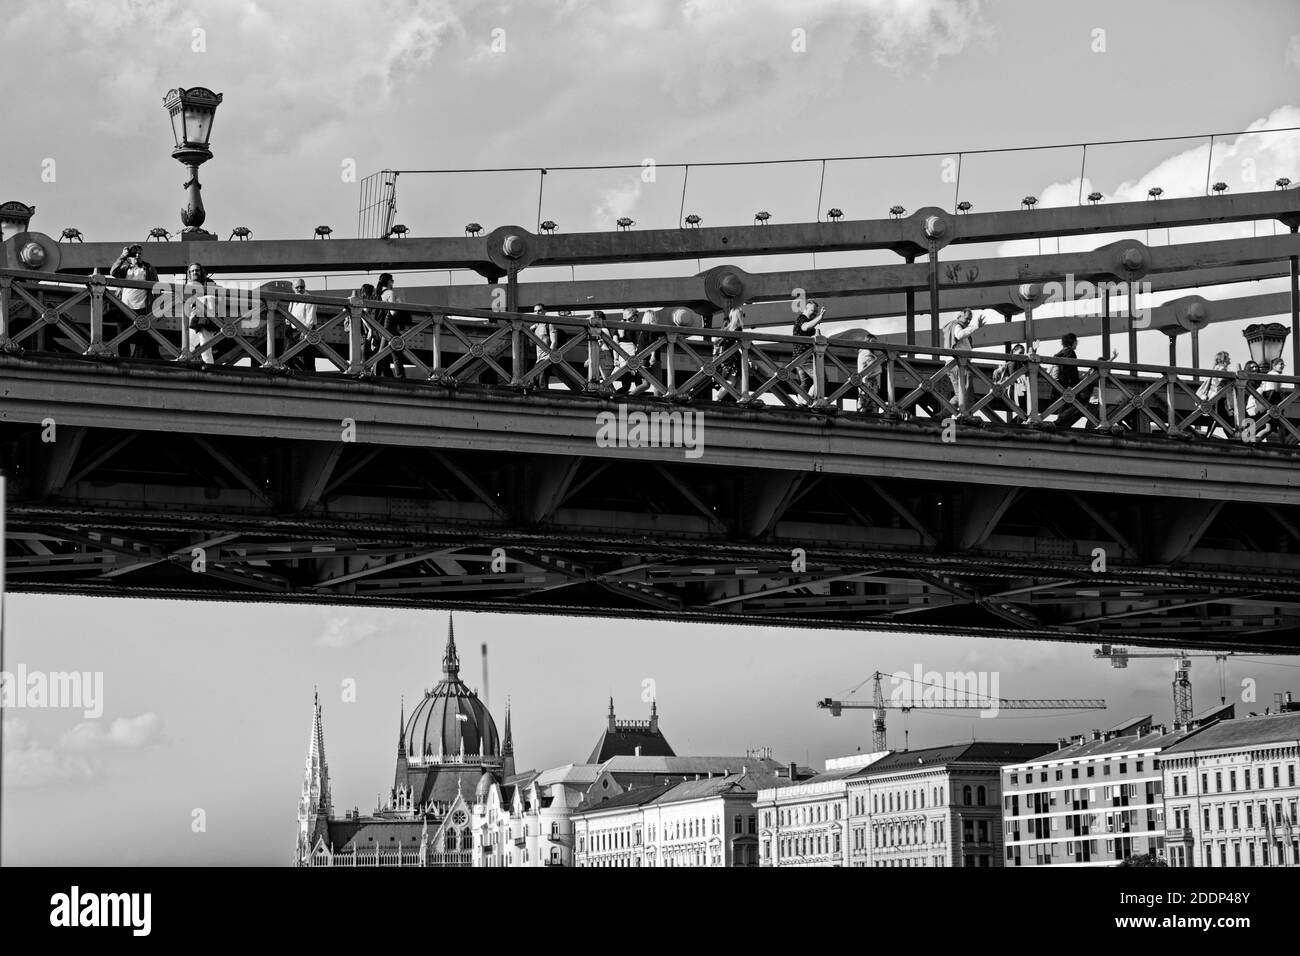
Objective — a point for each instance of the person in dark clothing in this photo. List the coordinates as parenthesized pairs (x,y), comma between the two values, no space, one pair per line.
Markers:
(806,321)
(131,265)
(390,321)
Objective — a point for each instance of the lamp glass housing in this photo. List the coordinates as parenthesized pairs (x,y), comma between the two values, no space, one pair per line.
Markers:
(1265,341)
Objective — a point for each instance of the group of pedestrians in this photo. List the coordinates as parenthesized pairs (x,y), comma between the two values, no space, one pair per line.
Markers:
(628,356)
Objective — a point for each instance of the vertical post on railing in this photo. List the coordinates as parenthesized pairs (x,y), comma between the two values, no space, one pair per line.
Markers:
(1295,310)
(911,307)
(180,311)
(5,283)
(1130,311)
(436,367)
(272,359)
(1196,353)
(819,367)
(95,284)
(593,351)
(934,294)
(1033,389)
(670,364)
(744,370)
(356,353)
(1105,320)
(1171,414)
(890,355)
(516,350)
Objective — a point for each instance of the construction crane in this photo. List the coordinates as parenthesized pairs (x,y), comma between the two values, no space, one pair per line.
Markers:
(967,702)
(1182,684)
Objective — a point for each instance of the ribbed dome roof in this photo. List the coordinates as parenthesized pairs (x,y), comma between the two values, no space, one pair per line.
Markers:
(451,719)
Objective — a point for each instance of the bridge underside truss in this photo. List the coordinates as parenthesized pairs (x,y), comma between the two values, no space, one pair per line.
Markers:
(183,514)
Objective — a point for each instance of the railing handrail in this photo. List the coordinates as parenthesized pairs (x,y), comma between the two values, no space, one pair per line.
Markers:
(580,323)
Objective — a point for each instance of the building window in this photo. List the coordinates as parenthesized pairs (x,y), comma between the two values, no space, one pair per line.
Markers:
(981,797)
(966,794)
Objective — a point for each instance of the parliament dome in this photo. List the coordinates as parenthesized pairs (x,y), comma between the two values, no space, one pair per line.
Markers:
(451,720)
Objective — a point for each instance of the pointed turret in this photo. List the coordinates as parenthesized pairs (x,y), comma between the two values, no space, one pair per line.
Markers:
(450,659)
(314,806)
(611,713)
(401,730)
(401,778)
(654,715)
(508,749)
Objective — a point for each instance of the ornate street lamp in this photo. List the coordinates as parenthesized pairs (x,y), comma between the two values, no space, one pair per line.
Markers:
(192,112)
(1265,341)
(14,217)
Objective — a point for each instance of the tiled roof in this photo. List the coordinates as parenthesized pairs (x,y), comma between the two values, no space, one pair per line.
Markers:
(1243,732)
(1127,743)
(625,740)
(997,753)
(688,766)
(638,796)
(732,783)
(577,774)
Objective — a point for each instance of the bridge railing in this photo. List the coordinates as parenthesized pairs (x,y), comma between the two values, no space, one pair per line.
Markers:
(258,327)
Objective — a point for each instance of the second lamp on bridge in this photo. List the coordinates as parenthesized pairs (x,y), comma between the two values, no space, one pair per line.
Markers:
(192,112)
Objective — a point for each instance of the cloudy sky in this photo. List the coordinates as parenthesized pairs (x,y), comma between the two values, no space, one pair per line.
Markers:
(208,706)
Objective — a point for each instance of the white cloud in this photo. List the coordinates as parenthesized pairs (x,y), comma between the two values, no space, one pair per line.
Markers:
(125,733)
(917,33)
(1251,161)
(616,201)
(316,62)
(77,757)
(343,630)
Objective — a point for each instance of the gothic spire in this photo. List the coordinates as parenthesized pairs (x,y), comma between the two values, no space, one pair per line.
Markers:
(450,659)
(509,746)
(316,776)
(401,730)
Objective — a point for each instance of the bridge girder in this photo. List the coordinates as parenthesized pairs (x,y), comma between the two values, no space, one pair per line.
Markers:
(996,536)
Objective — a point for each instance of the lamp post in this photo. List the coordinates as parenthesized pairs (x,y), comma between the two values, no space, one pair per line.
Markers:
(1265,341)
(192,112)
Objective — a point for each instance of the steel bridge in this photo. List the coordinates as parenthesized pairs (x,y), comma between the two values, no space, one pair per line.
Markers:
(670,469)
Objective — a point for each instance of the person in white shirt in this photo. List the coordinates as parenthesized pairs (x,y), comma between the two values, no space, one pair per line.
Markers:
(201,311)
(304,313)
(131,265)
(957,336)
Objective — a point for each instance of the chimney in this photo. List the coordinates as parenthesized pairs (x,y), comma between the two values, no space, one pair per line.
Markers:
(791,770)
(1096,735)
(1061,743)
(638,750)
